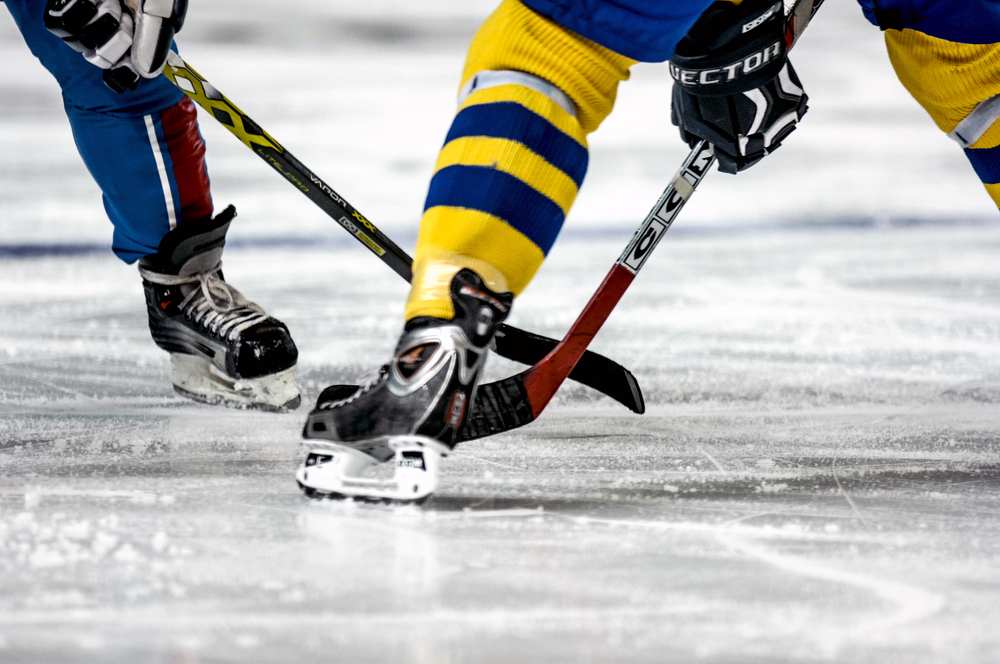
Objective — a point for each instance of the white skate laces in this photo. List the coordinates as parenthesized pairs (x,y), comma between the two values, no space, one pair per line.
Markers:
(214,305)
(365,383)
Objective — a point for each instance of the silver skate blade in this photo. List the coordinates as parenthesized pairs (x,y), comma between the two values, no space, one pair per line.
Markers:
(198,379)
(335,470)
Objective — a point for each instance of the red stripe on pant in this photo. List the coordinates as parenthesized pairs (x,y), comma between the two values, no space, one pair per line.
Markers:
(187,151)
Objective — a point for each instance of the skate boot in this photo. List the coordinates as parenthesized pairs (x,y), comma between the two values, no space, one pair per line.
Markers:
(411,410)
(223,348)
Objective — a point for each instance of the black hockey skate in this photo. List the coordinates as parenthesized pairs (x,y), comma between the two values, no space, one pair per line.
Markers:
(223,348)
(412,409)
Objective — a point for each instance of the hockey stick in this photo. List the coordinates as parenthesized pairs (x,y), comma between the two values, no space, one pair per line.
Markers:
(520,399)
(594,370)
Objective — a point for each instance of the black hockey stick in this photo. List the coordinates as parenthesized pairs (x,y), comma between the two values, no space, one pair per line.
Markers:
(593,370)
(520,399)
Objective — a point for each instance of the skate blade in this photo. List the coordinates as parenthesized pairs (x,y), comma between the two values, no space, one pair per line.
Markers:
(334,470)
(199,380)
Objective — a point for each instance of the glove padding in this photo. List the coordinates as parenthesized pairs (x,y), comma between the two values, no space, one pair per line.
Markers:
(734,85)
(105,31)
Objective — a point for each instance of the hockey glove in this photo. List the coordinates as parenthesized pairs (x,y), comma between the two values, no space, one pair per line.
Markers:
(128,40)
(734,85)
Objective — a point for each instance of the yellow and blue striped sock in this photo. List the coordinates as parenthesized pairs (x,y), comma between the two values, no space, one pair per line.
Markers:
(515,156)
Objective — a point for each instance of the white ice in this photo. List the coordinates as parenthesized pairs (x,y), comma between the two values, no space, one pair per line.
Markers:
(818,340)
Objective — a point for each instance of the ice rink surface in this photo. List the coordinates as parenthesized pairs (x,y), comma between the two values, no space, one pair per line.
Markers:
(816,479)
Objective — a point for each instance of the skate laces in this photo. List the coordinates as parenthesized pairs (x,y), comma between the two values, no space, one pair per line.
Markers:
(370,379)
(215,304)
(365,383)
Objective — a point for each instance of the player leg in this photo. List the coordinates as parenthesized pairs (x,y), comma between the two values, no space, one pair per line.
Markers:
(509,170)
(959,86)
(145,152)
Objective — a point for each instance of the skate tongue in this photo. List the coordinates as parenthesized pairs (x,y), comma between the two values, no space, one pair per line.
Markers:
(205,262)
(198,242)
(202,267)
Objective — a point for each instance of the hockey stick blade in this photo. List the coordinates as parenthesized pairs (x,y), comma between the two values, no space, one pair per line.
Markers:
(507,404)
(520,399)
(592,370)
(595,371)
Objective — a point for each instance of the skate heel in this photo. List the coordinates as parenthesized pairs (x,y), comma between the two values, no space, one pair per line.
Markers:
(336,471)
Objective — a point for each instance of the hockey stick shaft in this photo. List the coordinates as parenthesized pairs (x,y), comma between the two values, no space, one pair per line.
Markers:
(544,378)
(595,371)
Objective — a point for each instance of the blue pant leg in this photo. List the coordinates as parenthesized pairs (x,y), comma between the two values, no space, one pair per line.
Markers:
(119,136)
(129,159)
(644,30)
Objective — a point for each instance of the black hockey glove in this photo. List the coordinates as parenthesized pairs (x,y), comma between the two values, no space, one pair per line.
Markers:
(127,39)
(734,85)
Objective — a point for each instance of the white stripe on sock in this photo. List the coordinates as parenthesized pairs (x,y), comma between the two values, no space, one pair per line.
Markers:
(491,79)
(972,128)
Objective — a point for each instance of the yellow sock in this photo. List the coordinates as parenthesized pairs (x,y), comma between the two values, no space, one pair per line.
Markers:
(515,156)
(949,80)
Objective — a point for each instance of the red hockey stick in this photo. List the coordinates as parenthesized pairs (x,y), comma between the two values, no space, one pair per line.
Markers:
(518,400)
(543,379)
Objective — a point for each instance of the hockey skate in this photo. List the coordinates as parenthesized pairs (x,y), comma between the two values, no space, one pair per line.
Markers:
(223,348)
(410,411)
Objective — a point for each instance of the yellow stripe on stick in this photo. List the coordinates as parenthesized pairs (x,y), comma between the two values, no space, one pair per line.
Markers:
(213,101)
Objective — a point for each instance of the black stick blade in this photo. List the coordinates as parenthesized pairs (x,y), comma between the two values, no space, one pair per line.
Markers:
(593,370)
(498,407)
